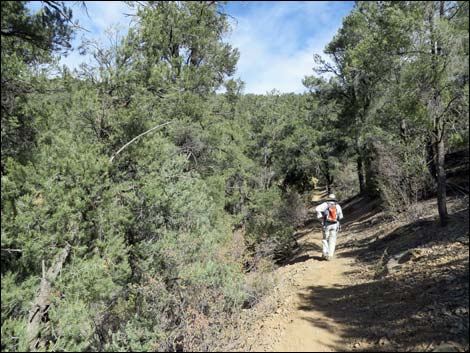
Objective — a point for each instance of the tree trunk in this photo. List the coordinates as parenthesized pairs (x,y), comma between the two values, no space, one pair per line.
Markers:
(373,153)
(328,178)
(441,182)
(360,174)
(431,153)
(438,119)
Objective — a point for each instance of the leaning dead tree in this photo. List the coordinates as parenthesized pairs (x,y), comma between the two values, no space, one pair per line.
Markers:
(38,313)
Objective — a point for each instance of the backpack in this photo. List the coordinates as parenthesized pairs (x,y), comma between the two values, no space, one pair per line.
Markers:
(331,214)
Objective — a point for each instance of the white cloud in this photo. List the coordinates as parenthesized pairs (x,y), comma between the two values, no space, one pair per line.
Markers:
(276,40)
(107,13)
(277,44)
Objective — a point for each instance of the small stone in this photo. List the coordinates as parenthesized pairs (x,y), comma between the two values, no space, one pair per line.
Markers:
(392,266)
(383,341)
(461,311)
(409,255)
(447,312)
(445,347)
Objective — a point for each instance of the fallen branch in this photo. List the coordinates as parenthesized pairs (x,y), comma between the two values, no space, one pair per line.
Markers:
(42,301)
(12,250)
(135,138)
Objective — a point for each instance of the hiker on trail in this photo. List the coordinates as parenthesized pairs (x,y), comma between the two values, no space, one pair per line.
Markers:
(329,213)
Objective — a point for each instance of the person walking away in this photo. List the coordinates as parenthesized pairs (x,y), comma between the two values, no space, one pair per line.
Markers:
(329,213)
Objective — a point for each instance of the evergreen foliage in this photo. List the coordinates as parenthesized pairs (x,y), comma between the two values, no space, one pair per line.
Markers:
(155,263)
(400,84)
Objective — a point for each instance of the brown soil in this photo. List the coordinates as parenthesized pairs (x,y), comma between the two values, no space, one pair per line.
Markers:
(353,303)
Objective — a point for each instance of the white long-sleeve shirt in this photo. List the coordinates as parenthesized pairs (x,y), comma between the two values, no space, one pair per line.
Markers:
(320,209)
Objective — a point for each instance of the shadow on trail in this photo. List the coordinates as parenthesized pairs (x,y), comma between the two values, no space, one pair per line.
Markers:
(391,309)
(401,311)
(301,253)
(303,258)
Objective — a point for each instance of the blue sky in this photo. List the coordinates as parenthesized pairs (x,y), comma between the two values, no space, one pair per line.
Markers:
(276,39)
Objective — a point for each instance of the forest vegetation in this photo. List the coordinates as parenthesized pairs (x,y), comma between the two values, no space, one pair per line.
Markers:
(148,247)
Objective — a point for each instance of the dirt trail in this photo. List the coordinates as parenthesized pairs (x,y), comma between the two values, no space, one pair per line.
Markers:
(309,329)
(303,325)
(362,300)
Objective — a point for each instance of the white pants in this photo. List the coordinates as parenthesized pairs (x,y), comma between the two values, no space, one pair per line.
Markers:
(329,239)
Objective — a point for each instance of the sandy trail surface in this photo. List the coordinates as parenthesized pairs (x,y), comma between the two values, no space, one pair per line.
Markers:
(300,323)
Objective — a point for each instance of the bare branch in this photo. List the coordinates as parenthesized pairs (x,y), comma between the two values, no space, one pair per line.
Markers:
(54,5)
(12,250)
(135,138)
